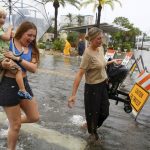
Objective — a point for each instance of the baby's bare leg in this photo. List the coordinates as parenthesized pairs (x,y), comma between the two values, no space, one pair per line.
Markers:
(16,70)
(19,80)
(18,73)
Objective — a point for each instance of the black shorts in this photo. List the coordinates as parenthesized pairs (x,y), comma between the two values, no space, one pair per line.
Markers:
(9,91)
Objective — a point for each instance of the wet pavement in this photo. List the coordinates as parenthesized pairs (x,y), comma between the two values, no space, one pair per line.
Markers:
(52,86)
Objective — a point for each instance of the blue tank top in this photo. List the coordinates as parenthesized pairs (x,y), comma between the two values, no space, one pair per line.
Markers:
(27,56)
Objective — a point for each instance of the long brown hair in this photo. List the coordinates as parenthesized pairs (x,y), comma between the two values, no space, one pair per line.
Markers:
(24,27)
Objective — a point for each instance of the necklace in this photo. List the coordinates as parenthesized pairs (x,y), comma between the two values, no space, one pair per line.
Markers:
(13,49)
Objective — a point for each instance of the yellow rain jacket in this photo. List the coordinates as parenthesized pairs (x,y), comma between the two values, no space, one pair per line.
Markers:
(67,48)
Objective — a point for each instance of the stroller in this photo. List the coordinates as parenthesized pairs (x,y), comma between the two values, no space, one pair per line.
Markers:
(116,75)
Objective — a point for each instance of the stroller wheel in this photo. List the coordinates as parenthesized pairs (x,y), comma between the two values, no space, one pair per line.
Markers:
(127,108)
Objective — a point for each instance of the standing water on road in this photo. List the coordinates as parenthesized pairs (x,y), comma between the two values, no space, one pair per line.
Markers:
(52,86)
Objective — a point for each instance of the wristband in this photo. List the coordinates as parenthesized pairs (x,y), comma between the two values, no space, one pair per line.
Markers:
(20,60)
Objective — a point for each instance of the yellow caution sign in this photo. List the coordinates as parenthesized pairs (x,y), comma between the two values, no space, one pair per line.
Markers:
(138,96)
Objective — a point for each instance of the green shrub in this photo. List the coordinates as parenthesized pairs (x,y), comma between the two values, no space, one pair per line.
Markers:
(73,38)
(127,46)
(41,45)
(58,44)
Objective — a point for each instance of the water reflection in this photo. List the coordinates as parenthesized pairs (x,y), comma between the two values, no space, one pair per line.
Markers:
(66,60)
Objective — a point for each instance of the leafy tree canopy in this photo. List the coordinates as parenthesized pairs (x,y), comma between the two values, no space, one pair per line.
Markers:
(125,39)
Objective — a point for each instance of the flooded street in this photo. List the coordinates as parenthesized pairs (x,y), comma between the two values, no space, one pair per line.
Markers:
(52,86)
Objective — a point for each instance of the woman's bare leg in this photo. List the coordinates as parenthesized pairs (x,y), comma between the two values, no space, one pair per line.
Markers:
(14,117)
(30,108)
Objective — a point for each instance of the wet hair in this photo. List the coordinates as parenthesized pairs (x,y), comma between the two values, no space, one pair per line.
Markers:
(93,33)
(24,27)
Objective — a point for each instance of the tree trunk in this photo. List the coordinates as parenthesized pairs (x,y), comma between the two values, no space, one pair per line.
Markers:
(99,8)
(55,28)
(56,6)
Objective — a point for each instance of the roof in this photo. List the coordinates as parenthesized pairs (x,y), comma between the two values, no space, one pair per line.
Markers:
(107,28)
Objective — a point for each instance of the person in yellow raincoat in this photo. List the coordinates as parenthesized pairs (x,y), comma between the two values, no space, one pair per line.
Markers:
(67,48)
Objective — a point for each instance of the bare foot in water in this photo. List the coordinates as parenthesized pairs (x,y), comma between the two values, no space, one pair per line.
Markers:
(94,139)
(84,126)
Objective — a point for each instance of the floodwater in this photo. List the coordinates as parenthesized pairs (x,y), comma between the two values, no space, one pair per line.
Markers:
(52,86)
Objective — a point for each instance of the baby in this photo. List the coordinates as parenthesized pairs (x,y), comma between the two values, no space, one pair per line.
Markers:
(4,46)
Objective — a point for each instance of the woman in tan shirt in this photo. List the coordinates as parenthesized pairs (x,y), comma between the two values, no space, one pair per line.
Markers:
(95,93)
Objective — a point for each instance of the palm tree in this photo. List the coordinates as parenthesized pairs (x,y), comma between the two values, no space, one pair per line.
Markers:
(80,19)
(56,4)
(71,18)
(99,4)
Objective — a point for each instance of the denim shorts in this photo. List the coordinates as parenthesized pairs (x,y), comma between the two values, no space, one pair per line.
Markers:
(9,90)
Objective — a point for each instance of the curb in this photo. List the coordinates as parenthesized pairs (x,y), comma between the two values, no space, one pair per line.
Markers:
(51,136)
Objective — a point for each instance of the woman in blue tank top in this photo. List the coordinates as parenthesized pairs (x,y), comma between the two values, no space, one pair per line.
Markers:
(24,39)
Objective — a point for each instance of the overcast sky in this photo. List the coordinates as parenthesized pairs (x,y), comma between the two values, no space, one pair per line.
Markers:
(137,12)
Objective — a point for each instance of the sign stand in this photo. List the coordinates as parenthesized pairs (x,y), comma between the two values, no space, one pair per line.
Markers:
(127,58)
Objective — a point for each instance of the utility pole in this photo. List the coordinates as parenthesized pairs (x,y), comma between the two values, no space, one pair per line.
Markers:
(10,12)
